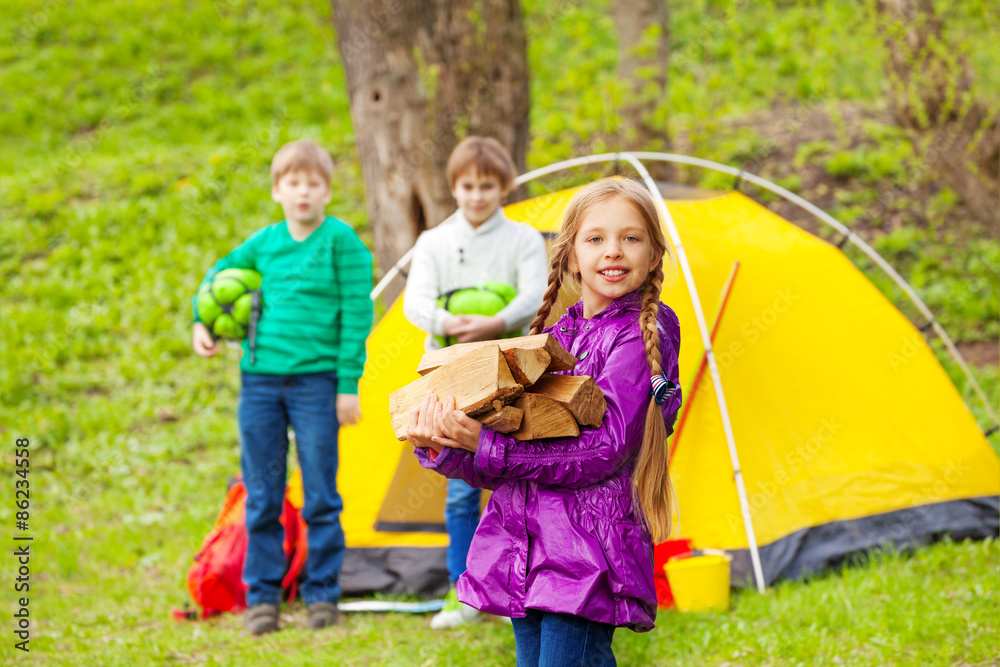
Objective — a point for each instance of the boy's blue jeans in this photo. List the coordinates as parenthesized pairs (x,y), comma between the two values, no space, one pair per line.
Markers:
(268,404)
(547,639)
(461,517)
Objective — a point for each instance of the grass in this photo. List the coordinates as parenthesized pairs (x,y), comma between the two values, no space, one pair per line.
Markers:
(937,606)
(136,143)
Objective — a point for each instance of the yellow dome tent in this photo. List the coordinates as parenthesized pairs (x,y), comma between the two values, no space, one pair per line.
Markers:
(824,426)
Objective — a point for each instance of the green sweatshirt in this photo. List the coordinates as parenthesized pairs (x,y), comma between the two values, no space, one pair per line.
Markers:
(317,307)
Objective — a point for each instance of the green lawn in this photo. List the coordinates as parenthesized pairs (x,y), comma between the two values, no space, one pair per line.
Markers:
(939,606)
(136,142)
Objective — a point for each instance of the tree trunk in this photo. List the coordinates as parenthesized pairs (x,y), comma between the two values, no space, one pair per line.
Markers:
(931,97)
(421,76)
(643,59)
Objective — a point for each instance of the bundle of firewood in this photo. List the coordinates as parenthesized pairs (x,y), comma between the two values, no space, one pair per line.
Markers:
(508,385)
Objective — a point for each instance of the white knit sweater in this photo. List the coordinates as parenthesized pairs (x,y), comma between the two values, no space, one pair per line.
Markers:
(454,255)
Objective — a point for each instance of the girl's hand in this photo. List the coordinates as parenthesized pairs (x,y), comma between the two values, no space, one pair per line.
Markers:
(421,427)
(459,429)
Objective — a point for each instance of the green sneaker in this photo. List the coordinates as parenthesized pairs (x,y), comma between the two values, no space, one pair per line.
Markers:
(454,613)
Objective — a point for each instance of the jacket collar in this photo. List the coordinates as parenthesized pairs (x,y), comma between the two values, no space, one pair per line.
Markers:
(624,303)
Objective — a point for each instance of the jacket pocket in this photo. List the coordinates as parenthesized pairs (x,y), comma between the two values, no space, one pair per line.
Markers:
(627,547)
(630,554)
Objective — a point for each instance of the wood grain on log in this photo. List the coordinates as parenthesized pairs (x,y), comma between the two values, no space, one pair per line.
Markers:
(526,365)
(560,359)
(475,380)
(577,393)
(544,418)
(507,419)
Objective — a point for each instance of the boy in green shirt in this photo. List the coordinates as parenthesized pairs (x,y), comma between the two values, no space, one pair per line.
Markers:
(309,355)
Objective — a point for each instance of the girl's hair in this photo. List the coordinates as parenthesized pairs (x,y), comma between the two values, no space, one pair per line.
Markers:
(651,488)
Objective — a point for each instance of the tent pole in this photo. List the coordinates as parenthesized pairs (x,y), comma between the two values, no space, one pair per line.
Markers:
(855,239)
(700,373)
(565,164)
(387,278)
(712,366)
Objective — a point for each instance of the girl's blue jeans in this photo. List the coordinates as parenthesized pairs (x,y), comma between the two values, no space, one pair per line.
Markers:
(268,405)
(461,517)
(547,639)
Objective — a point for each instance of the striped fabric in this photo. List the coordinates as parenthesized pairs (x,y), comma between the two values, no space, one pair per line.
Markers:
(662,388)
(317,310)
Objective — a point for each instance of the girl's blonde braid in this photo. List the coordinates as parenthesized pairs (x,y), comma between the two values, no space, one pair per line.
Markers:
(651,490)
(560,263)
(647,319)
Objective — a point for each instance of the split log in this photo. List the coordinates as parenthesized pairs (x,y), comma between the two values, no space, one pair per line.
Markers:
(527,365)
(544,418)
(577,393)
(475,380)
(560,359)
(505,419)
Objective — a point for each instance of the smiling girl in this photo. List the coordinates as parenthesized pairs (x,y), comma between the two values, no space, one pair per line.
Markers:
(565,547)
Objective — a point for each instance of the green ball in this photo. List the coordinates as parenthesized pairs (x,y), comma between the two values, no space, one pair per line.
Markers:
(227,327)
(242,307)
(225,303)
(208,308)
(248,277)
(484,299)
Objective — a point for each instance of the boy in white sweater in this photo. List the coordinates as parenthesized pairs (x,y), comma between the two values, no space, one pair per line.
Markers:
(477,244)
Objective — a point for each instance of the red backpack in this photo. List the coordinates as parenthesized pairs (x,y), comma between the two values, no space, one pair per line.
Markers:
(215,579)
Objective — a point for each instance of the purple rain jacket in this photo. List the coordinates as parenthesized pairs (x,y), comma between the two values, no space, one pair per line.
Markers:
(560,532)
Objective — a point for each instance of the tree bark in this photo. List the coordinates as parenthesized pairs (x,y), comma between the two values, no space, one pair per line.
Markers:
(931,97)
(421,76)
(643,59)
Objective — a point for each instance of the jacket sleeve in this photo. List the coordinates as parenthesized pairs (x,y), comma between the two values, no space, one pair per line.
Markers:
(669,352)
(353,269)
(243,256)
(455,464)
(423,286)
(532,279)
(597,453)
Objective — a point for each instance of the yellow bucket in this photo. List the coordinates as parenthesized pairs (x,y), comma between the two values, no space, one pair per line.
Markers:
(700,583)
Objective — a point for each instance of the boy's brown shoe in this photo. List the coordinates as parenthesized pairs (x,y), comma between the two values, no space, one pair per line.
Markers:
(262,618)
(323,614)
